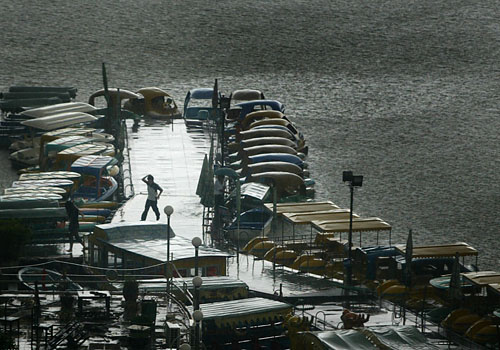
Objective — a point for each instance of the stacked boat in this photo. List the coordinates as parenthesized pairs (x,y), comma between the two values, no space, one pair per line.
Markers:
(51,123)
(62,156)
(19,99)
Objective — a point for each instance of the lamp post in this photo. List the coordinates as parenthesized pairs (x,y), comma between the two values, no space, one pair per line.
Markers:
(197,314)
(168,210)
(353,181)
(196,241)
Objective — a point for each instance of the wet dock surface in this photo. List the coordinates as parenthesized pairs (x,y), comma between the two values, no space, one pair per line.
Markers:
(175,161)
(174,155)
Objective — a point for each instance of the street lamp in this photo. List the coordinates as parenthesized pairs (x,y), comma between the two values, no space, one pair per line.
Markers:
(196,242)
(197,314)
(353,181)
(168,210)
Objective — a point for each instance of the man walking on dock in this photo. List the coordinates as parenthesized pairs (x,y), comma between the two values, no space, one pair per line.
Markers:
(74,226)
(154,192)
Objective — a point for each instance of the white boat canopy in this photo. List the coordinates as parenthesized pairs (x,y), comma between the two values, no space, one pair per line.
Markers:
(59,108)
(60,120)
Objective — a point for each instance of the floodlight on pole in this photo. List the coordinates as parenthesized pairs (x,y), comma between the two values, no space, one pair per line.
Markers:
(353,181)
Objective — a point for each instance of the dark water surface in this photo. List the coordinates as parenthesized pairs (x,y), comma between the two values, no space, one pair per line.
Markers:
(405,93)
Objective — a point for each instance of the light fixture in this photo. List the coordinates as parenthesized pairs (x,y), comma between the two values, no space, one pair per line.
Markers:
(198,315)
(168,210)
(197,281)
(196,241)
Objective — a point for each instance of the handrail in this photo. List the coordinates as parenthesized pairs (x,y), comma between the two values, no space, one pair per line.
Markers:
(316,319)
(128,169)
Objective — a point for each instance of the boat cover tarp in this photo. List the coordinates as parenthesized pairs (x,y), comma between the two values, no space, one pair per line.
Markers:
(448,250)
(358,224)
(309,217)
(387,337)
(149,239)
(302,207)
(250,310)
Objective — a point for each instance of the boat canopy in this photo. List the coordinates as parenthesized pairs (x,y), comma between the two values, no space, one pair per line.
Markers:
(59,133)
(246,95)
(34,189)
(126,230)
(255,190)
(60,120)
(201,93)
(358,224)
(64,183)
(482,278)
(30,200)
(149,240)
(59,108)
(66,157)
(212,282)
(150,92)
(445,250)
(70,175)
(59,144)
(92,165)
(52,148)
(86,149)
(302,207)
(249,310)
(224,286)
(324,215)
(387,337)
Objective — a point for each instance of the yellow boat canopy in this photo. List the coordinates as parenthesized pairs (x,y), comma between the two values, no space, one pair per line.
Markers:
(445,250)
(302,207)
(482,278)
(309,217)
(358,224)
(150,92)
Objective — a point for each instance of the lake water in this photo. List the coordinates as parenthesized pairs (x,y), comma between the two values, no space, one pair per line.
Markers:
(405,93)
